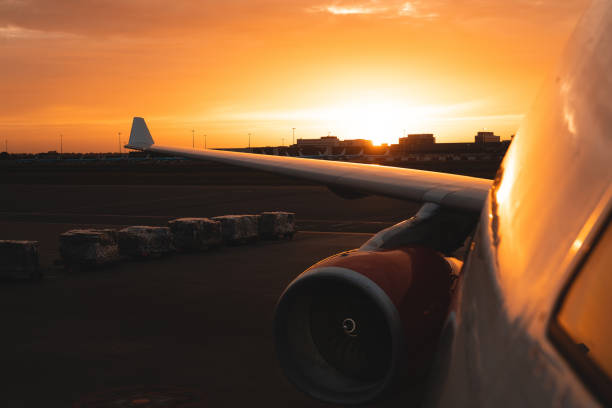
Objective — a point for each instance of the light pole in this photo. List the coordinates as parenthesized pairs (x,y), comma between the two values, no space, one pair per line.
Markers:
(293,140)
(249,141)
(193,138)
(204,142)
(61,144)
(119,139)
(283,139)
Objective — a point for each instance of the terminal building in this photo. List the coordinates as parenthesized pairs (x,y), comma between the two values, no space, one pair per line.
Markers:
(324,141)
(418,139)
(423,147)
(486,137)
(412,147)
(333,141)
(362,143)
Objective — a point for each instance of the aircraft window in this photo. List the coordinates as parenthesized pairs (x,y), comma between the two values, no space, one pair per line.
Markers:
(582,327)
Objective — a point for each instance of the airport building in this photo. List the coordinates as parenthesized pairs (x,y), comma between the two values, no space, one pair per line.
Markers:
(423,147)
(419,147)
(418,139)
(486,137)
(355,143)
(324,141)
(330,143)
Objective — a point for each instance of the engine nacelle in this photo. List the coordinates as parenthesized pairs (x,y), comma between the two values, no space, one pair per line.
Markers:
(348,328)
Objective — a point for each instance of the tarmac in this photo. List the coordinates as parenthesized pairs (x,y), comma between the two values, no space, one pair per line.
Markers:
(194,325)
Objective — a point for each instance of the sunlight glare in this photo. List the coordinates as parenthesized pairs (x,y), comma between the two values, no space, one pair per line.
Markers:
(378,119)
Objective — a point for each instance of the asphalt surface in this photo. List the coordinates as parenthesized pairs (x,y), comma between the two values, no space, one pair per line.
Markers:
(197,324)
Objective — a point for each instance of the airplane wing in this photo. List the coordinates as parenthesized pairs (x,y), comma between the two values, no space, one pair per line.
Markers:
(447,190)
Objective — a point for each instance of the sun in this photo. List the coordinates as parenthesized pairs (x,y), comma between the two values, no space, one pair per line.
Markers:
(373,117)
(379,120)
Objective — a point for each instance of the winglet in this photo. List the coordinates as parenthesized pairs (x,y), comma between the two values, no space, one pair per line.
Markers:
(140,137)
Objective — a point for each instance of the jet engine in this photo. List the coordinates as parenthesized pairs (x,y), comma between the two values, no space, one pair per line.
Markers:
(349,327)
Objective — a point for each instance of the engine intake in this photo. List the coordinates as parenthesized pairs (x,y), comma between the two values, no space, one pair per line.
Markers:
(352,325)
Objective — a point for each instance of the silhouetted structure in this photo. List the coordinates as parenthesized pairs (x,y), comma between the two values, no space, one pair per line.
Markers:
(363,143)
(324,141)
(418,139)
(486,137)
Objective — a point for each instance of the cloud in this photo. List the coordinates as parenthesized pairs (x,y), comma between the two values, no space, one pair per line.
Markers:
(139,18)
(387,9)
(354,10)
(489,12)
(156,18)
(415,10)
(407,9)
(340,7)
(16,32)
(461,11)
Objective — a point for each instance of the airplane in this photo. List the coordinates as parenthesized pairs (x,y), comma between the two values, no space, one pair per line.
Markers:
(310,156)
(350,156)
(356,155)
(373,157)
(328,155)
(496,293)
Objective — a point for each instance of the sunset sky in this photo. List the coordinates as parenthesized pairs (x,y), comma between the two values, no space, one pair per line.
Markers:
(357,69)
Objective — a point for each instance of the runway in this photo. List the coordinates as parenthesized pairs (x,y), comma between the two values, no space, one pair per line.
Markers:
(199,322)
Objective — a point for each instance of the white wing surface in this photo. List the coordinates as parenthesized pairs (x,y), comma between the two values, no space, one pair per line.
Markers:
(448,190)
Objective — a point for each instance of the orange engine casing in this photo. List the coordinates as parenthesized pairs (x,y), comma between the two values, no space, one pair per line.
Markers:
(408,289)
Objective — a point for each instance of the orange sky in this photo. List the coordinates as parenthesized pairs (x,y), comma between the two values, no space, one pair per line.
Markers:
(372,69)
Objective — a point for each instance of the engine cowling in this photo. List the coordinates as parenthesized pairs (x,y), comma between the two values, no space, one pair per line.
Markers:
(349,327)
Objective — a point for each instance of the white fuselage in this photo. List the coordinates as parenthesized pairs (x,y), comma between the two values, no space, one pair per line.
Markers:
(554,195)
